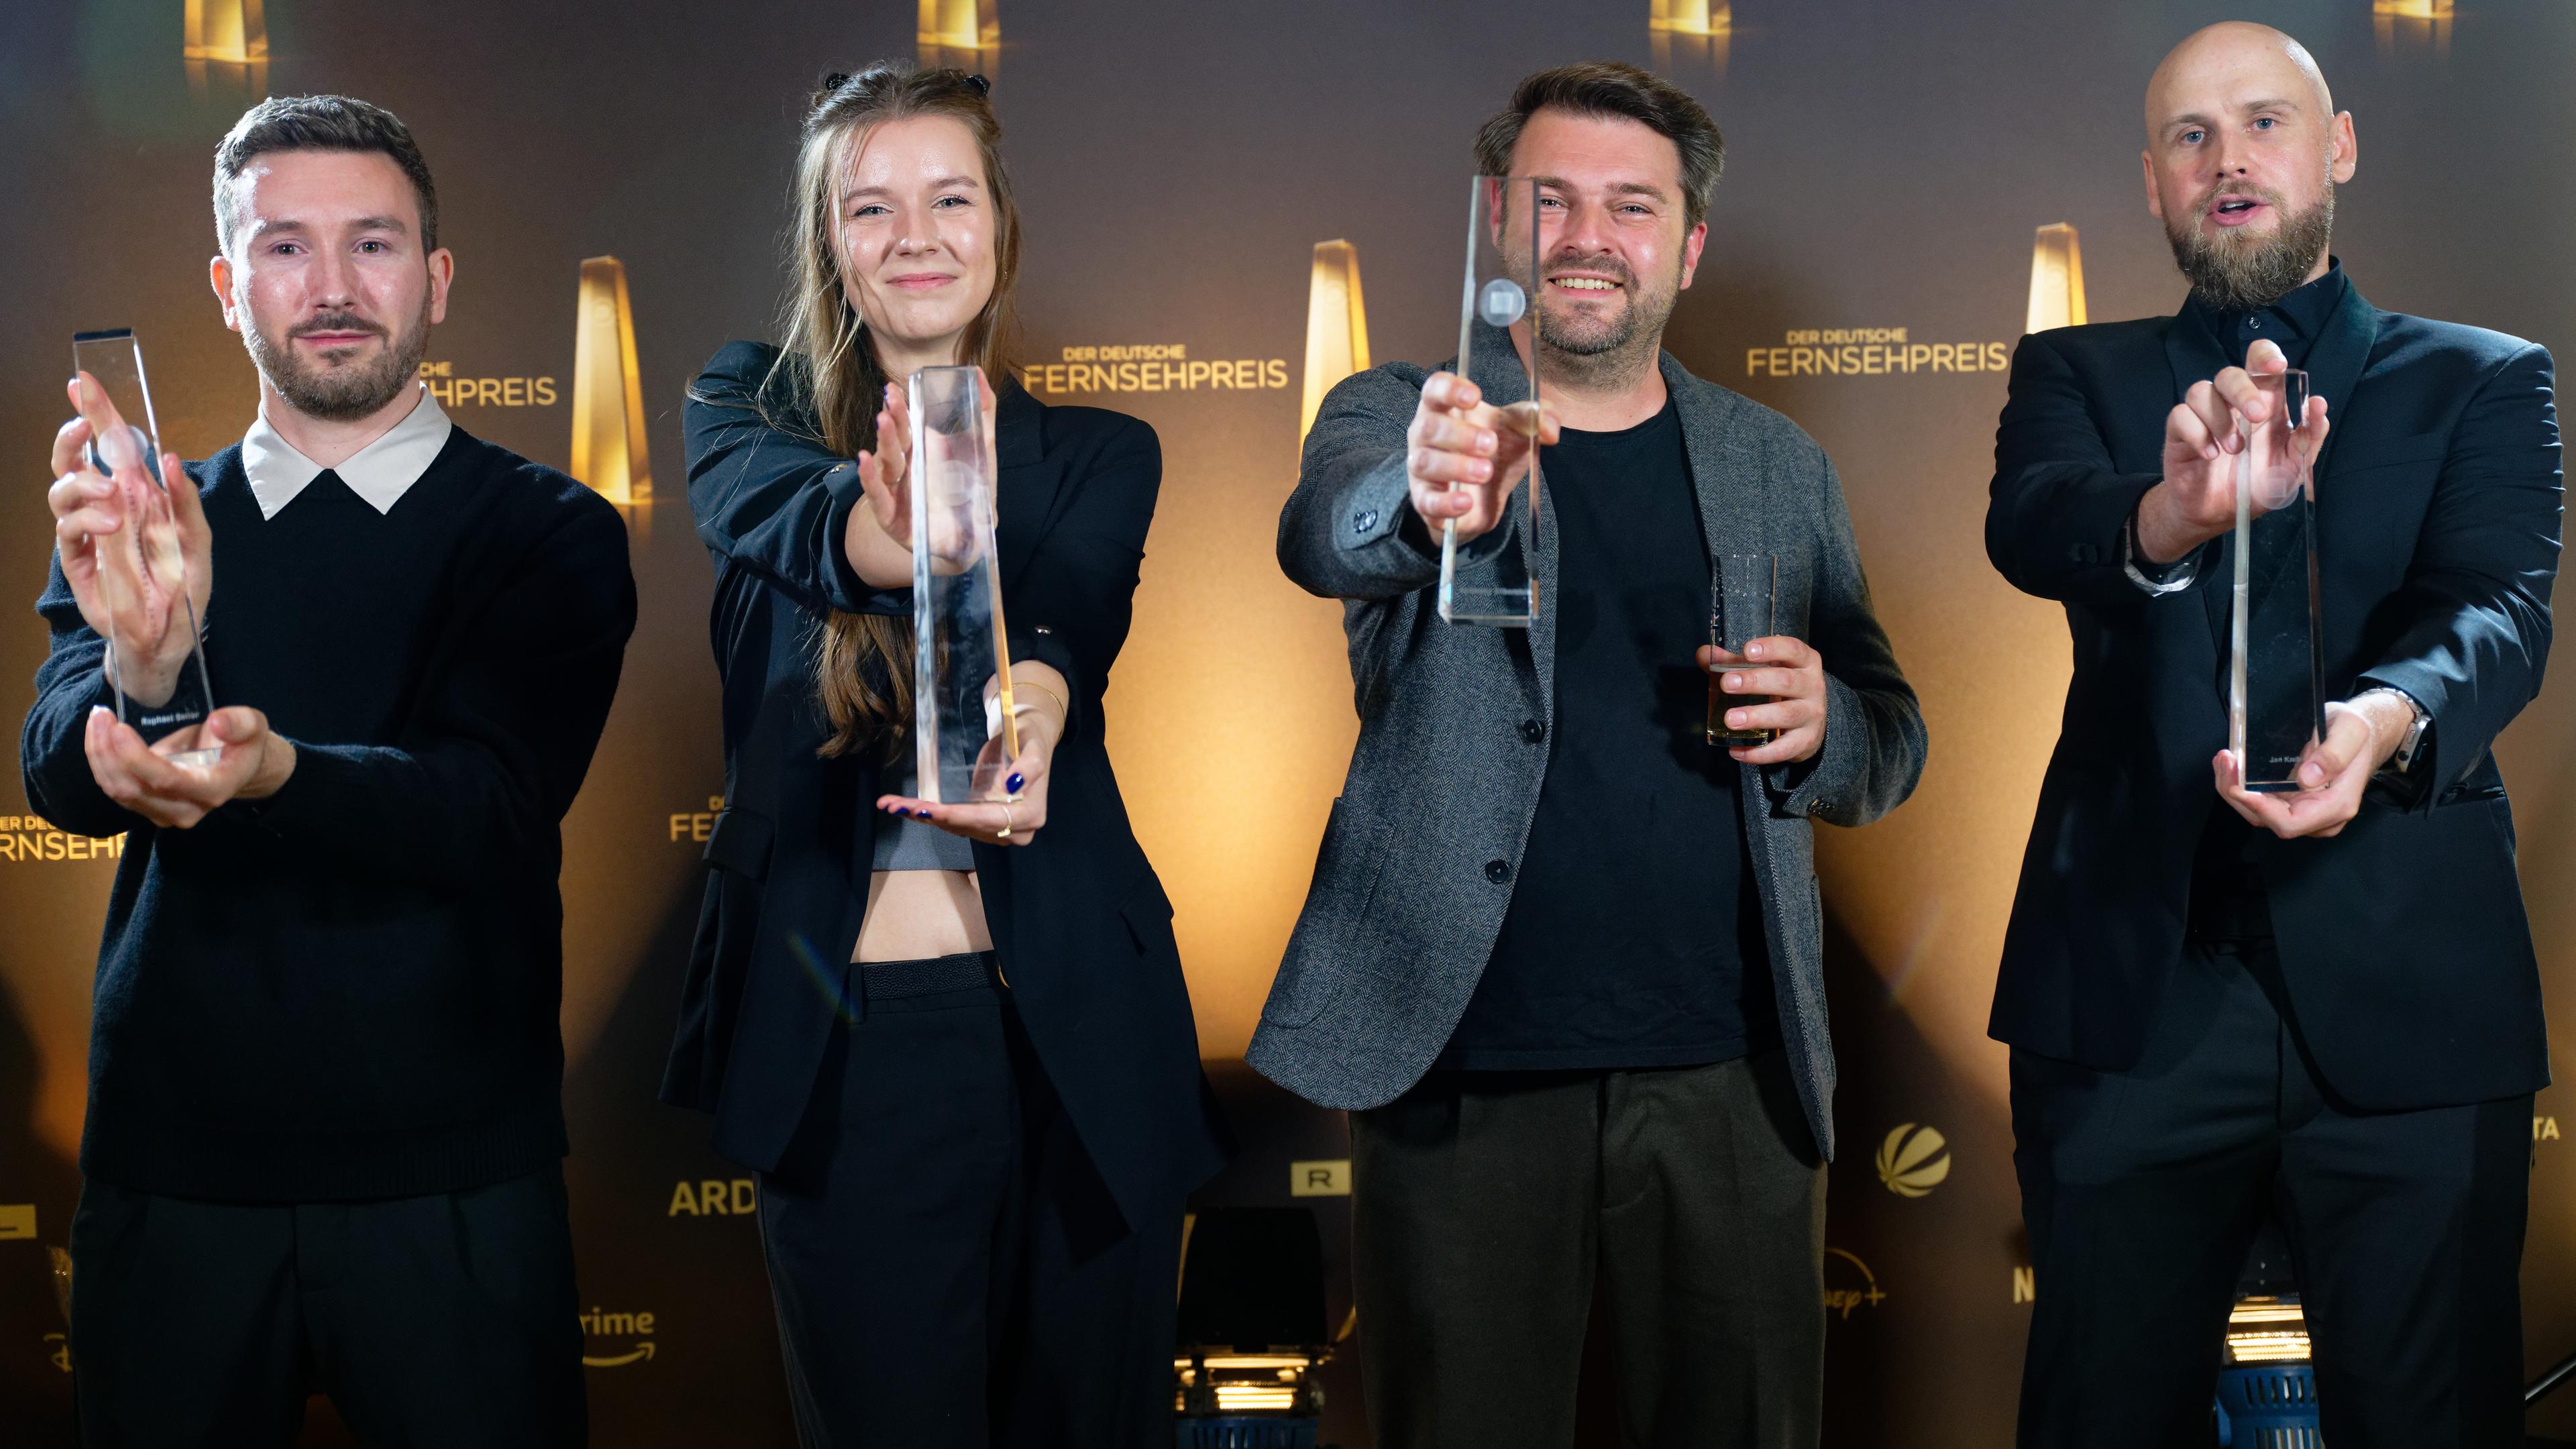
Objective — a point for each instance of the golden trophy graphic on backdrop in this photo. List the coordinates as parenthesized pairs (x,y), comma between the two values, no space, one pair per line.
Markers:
(226,40)
(2056,279)
(607,392)
(2412,25)
(1694,32)
(1336,327)
(966,34)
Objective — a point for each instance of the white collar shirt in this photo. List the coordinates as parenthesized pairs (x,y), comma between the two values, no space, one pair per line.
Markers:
(381,472)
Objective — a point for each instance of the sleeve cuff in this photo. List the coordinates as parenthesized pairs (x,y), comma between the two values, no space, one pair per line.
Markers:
(850,593)
(2155,578)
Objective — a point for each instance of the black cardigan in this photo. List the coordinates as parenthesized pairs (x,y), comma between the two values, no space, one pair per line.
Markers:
(1081,924)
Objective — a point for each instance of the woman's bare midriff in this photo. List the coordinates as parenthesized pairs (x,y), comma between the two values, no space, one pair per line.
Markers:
(917,915)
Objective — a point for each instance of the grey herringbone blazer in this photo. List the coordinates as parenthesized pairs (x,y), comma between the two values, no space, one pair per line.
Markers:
(1418,857)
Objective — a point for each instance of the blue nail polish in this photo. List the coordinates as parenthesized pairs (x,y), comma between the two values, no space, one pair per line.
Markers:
(1012,784)
(899,810)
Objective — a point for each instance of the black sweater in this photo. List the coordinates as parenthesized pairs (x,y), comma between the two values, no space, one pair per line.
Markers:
(349,990)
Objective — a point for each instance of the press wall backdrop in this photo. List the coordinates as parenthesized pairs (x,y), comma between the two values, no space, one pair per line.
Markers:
(1228,206)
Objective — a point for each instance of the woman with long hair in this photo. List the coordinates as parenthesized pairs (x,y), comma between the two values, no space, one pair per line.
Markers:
(952,1039)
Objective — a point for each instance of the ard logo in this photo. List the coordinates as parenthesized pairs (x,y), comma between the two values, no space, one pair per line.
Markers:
(1913,1160)
(634,1332)
(1849,1284)
(716,1197)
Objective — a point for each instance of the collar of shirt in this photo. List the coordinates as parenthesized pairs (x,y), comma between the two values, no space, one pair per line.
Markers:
(381,472)
(2294,321)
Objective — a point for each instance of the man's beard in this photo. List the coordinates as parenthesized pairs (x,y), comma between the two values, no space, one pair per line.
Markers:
(1605,345)
(348,391)
(2233,272)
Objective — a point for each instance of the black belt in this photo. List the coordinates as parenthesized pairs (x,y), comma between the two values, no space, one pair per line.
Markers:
(893,980)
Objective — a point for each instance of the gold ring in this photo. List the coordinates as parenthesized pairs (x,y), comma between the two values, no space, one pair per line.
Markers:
(1007,821)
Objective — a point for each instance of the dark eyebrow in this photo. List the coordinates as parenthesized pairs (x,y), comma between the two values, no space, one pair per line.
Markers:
(268,225)
(1624,188)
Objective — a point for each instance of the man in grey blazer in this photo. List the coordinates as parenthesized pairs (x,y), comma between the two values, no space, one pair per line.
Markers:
(1561,959)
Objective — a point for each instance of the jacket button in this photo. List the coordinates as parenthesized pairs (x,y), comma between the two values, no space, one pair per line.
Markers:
(1533,731)
(1364,520)
(1498,871)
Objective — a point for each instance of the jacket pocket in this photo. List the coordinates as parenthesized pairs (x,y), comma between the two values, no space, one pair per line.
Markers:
(1318,967)
(1148,914)
(740,843)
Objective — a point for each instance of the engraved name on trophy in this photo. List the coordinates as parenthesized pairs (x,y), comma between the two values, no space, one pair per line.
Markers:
(964,735)
(143,569)
(1492,579)
(2274,706)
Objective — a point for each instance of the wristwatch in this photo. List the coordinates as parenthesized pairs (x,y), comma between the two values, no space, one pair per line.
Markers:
(2411,744)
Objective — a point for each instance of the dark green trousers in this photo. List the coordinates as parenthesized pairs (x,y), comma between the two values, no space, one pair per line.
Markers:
(1487,1206)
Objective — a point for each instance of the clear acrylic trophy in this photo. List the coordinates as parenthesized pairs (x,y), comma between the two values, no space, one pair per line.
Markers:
(964,735)
(2274,706)
(1742,595)
(143,570)
(1491,579)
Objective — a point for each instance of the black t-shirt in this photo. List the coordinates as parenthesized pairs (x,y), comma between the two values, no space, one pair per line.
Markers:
(1633,917)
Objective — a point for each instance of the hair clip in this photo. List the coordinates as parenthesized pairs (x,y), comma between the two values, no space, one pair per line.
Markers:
(836,80)
(979,85)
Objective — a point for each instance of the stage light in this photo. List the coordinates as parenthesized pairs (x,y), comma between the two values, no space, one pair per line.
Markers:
(2267,1389)
(1337,342)
(607,391)
(2056,279)
(1251,1330)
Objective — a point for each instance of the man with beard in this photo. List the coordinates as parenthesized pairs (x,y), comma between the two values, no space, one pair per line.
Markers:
(2320,1006)
(1561,955)
(324,1138)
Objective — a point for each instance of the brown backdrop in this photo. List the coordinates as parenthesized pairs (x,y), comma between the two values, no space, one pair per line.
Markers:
(1890,164)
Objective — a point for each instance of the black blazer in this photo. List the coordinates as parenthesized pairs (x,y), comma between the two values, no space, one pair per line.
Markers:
(2402,940)
(1080,922)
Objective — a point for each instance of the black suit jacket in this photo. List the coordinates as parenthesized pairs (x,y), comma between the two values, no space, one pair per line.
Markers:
(1080,922)
(2403,941)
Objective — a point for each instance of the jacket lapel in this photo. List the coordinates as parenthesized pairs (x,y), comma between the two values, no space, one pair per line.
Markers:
(1026,489)
(1722,460)
(2335,364)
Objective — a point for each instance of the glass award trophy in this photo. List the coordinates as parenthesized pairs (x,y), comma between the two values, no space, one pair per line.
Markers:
(1491,579)
(1741,596)
(143,569)
(2273,704)
(964,735)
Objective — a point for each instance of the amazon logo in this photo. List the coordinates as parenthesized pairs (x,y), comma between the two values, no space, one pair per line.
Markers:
(599,1323)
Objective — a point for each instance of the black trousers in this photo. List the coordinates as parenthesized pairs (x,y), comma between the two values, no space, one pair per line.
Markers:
(448,1320)
(2143,1191)
(1487,1202)
(948,1267)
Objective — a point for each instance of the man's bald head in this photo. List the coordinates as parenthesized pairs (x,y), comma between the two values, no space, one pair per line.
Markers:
(2233,48)
(2244,150)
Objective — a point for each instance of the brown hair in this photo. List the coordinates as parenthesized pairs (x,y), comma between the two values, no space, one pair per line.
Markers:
(863,662)
(319,123)
(1614,88)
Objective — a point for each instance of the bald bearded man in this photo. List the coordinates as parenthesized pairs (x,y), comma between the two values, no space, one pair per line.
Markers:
(2322,1004)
